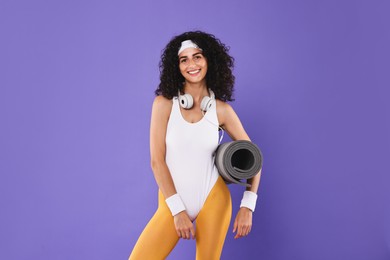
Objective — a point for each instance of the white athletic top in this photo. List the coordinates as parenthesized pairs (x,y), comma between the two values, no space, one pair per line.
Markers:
(189,156)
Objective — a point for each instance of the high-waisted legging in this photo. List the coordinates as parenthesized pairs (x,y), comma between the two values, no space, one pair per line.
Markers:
(159,236)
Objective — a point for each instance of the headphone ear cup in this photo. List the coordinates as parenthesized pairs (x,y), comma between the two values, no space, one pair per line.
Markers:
(186,101)
(206,103)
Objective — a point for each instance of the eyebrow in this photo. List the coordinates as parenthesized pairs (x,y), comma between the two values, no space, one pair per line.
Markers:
(182,57)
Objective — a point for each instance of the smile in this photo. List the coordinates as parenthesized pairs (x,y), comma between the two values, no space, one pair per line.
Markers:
(194,72)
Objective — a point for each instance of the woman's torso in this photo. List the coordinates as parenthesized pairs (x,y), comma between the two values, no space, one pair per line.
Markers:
(189,156)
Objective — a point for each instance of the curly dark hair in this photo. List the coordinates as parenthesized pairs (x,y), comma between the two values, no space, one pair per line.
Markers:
(219,77)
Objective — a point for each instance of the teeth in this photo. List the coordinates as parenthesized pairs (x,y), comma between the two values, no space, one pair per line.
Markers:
(193,72)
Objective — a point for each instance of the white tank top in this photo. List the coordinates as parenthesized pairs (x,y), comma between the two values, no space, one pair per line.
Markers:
(189,156)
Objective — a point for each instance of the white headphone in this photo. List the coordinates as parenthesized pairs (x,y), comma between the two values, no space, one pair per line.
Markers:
(187,101)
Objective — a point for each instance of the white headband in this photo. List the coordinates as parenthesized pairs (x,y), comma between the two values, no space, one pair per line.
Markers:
(187,44)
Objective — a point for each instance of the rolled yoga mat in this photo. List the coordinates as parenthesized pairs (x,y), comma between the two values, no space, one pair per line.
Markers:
(238,160)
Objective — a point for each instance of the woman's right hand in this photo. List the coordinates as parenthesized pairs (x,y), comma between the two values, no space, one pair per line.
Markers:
(184,226)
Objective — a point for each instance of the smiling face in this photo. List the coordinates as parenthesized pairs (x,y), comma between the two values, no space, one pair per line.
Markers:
(193,65)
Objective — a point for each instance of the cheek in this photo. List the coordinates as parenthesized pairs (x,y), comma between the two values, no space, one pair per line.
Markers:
(204,65)
(205,68)
(182,69)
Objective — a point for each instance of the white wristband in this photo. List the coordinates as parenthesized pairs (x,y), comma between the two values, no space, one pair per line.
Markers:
(249,200)
(175,204)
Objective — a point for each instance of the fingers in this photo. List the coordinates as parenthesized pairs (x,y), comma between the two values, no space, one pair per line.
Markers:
(243,223)
(192,231)
(186,233)
(235,225)
(184,226)
(243,229)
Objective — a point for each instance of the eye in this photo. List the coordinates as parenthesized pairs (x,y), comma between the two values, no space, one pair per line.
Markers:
(198,57)
(183,60)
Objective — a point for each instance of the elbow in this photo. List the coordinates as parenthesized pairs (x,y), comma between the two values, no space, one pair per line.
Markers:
(156,164)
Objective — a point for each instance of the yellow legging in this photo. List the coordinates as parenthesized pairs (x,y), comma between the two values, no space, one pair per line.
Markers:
(159,236)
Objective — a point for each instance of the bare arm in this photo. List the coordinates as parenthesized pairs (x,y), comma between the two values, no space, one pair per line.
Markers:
(231,123)
(158,128)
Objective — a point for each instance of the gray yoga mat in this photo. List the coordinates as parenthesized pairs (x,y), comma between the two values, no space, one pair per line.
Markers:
(238,160)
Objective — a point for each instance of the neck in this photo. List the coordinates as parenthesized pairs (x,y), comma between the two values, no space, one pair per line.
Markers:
(197,90)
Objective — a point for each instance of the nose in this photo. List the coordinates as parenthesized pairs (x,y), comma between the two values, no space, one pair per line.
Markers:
(191,62)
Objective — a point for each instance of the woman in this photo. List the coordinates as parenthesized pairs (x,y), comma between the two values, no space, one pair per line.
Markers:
(187,114)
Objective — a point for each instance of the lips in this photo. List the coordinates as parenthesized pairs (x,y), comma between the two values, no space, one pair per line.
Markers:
(193,72)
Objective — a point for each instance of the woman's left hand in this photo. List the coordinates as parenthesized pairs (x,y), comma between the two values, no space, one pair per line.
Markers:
(243,222)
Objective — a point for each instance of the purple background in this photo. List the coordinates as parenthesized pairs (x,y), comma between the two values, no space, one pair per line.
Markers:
(77,81)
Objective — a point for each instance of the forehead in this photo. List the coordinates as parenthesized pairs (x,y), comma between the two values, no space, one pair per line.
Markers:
(189,52)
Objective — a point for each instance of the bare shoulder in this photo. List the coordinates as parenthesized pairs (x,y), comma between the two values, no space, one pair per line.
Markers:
(224,110)
(162,105)
(224,107)
(162,101)
(230,121)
